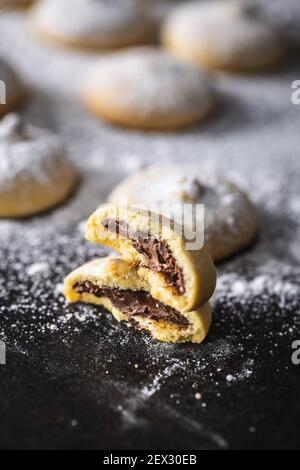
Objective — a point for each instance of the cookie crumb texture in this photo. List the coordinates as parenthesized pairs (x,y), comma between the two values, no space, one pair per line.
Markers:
(157,285)
(115,284)
(149,89)
(177,277)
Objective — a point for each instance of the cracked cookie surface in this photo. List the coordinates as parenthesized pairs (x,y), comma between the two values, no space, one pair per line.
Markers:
(230,218)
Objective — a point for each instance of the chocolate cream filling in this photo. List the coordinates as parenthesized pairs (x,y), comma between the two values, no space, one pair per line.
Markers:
(134,303)
(158,255)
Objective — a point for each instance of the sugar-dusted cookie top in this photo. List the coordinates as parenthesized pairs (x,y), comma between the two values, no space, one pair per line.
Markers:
(230,217)
(224,34)
(93,23)
(148,88)
(35,171)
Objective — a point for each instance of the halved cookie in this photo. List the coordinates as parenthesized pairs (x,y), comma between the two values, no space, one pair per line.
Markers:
(115,285)
(157,247)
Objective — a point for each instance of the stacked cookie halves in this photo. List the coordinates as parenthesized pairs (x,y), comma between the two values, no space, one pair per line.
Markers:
(156,285)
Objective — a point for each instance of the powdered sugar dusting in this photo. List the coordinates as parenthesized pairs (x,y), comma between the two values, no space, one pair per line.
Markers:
(233,285)
(229,216)
(229,33)
(28,152)
(253,139)
(100,22)
(154,82)
(37,268)
(149,390)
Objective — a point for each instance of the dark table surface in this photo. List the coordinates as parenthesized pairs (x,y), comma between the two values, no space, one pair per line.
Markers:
(74,378)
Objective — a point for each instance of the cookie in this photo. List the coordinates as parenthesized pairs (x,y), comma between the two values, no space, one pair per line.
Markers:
(35,172)
(158,249)
(148,89)
(11,90)
(231,221)
(115,285)
(228,35)
(15,3)
(99,24)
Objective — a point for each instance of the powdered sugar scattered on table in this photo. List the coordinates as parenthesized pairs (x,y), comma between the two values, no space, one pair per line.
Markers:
(37,268)
(254,140)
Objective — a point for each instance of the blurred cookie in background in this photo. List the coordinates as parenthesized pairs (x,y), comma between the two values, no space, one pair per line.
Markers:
(149,89)
(161,8)
(97,24)
(11,89)
(224,34)
(35,171)
(15,3)
(231,221)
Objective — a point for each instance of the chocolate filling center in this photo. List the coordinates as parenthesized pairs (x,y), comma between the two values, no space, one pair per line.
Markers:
(158,255)
(134,303)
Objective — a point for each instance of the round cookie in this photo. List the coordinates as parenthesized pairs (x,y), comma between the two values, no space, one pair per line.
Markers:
(228,35)
(147,88)
(99,24)
(11,90)
(230,218)
(35,172)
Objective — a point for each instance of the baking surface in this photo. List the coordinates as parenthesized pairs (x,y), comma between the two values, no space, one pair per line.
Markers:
(75,378)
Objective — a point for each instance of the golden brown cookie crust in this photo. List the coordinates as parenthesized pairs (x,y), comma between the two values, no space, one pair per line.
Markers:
(115,273)
(54,23)
(36,173)
(227,35)
(196,267)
